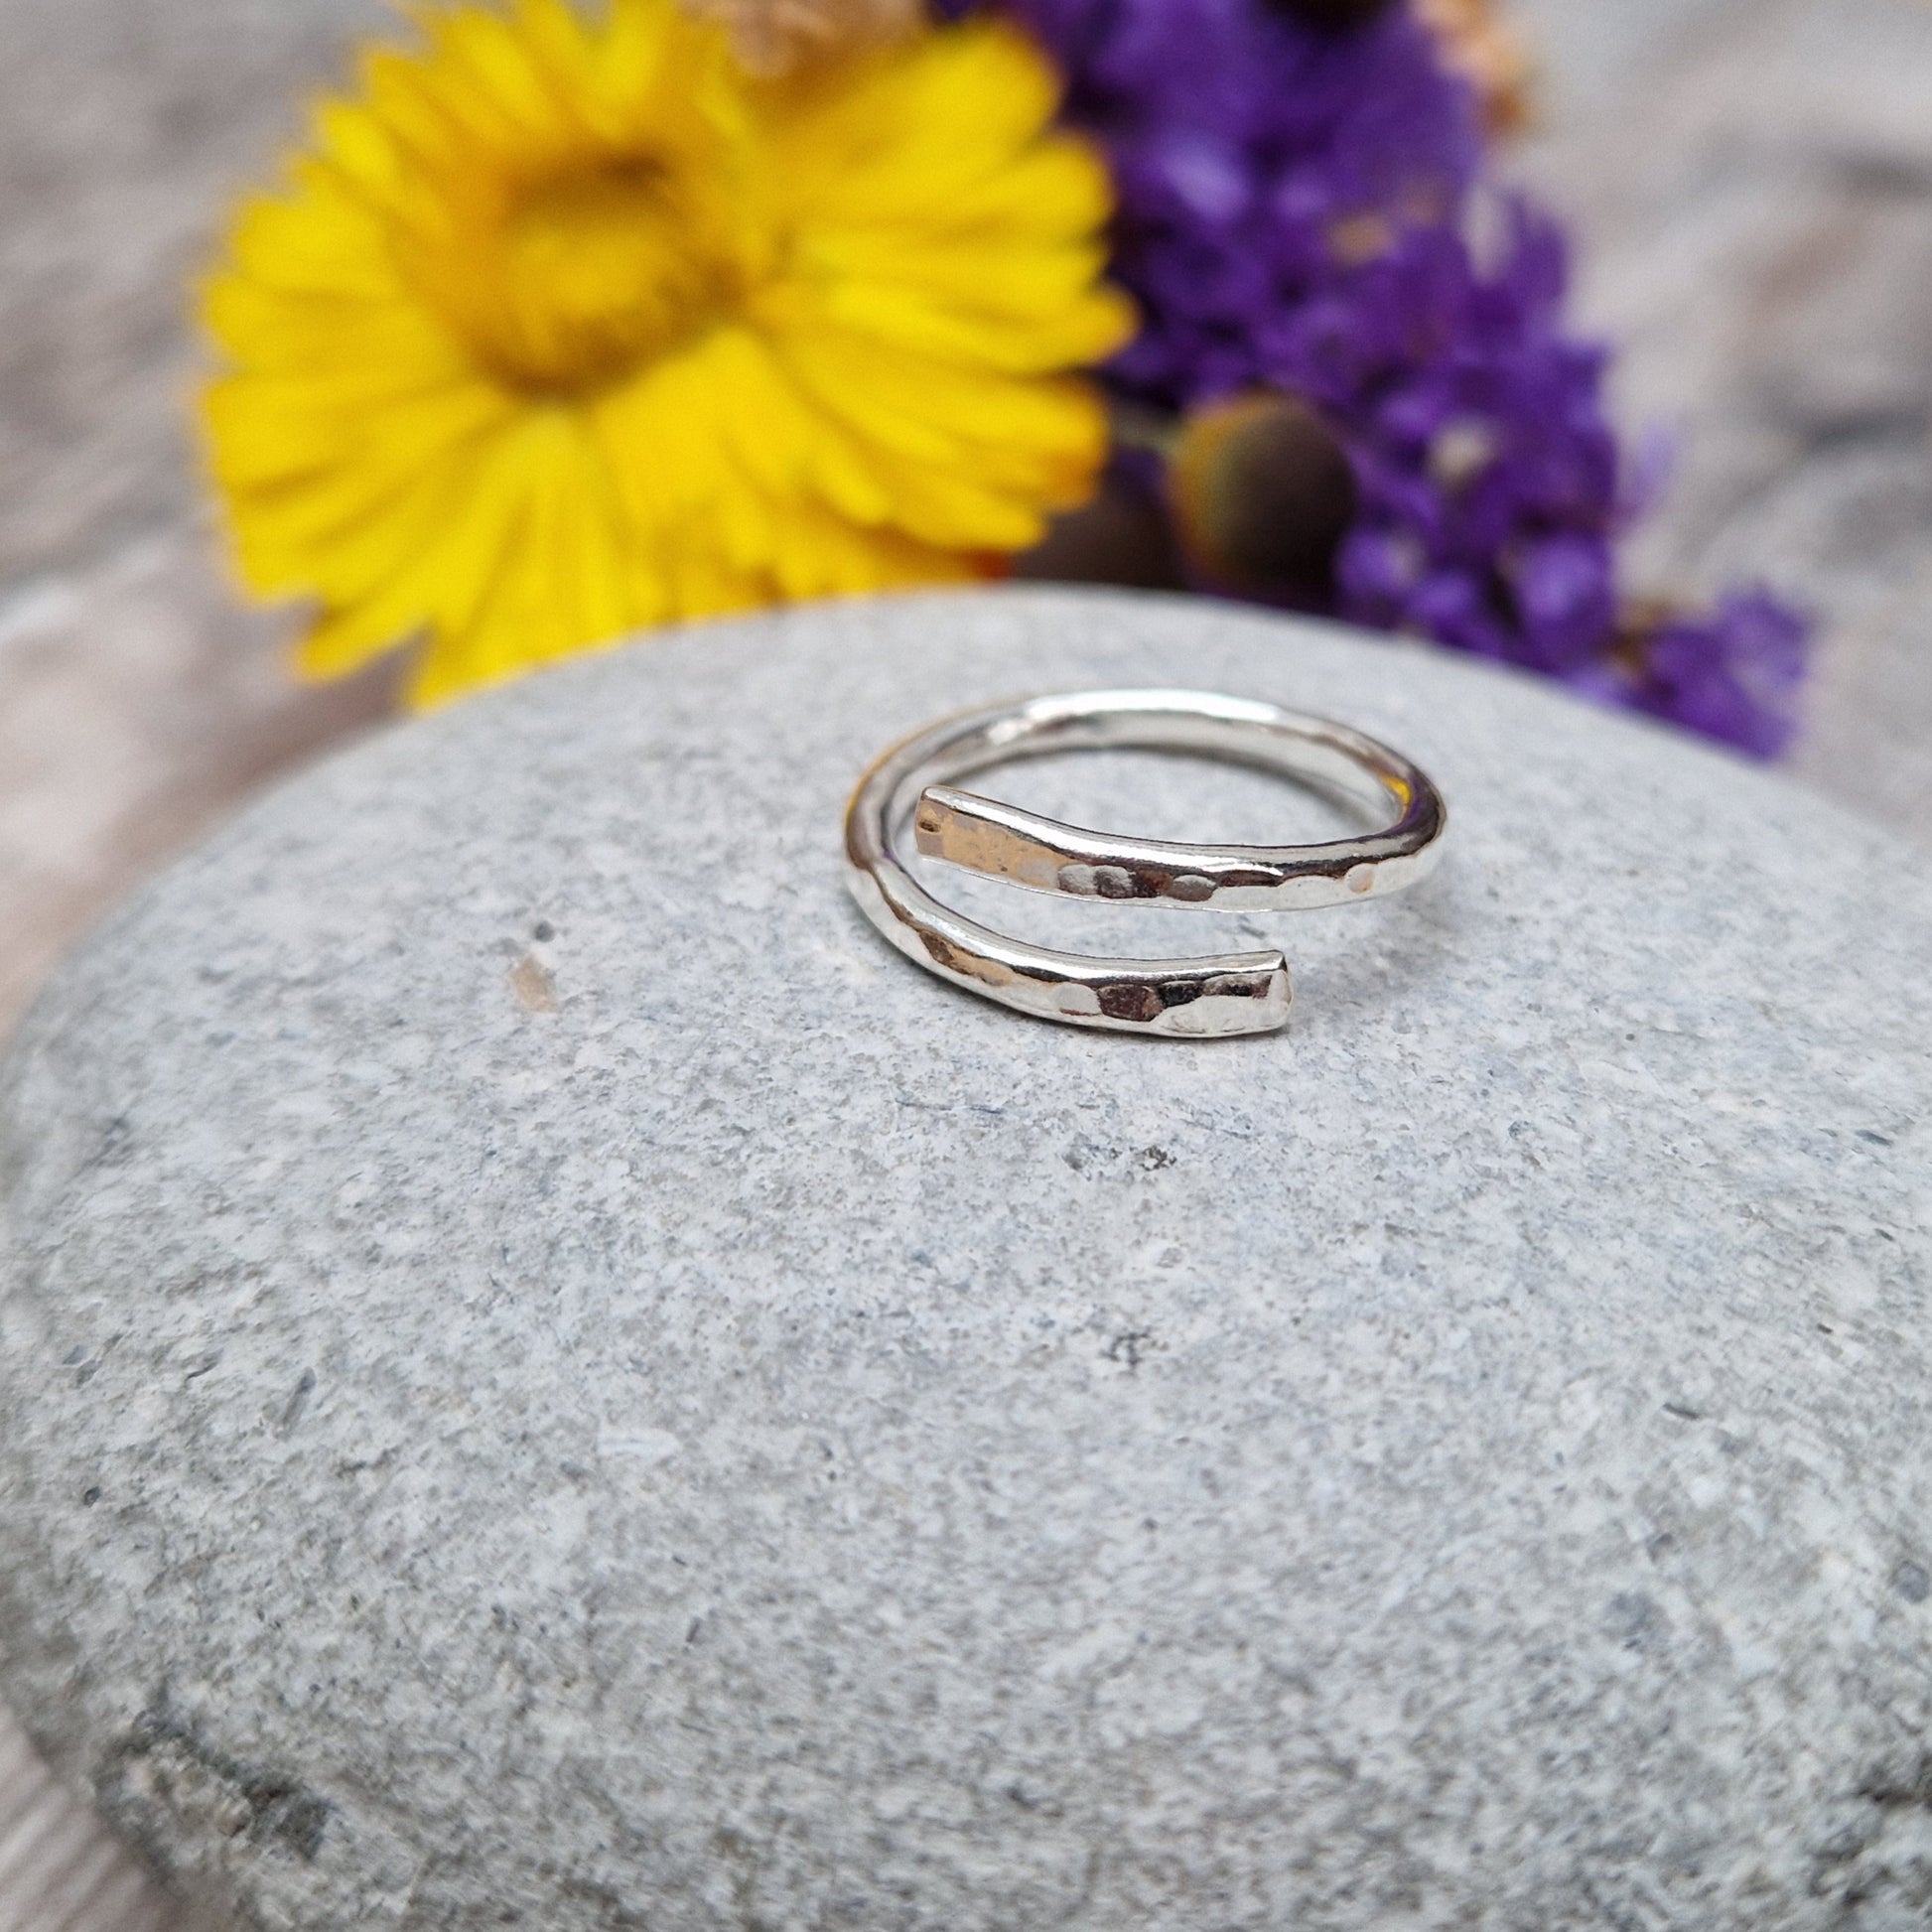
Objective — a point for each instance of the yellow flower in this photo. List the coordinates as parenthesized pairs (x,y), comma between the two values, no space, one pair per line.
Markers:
(565,327)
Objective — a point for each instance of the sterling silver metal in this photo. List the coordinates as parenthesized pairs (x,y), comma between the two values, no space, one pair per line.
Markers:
(1194,999)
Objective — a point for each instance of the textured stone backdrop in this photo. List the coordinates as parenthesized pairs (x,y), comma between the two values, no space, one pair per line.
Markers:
(1752,177)
(1753,181)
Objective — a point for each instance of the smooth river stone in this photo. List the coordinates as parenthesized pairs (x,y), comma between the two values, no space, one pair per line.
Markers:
(550,1379)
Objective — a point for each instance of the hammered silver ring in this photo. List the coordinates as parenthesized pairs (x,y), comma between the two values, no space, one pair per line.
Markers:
(1209,998)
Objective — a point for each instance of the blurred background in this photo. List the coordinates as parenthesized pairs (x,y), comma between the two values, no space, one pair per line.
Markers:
(1750,181)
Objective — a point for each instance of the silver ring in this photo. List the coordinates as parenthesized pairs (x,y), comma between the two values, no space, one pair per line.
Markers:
(1193,999)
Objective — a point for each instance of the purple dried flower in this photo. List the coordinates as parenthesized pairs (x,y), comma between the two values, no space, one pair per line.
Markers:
(1489,471)
(1253,154)
(1294,215)
(1733,675)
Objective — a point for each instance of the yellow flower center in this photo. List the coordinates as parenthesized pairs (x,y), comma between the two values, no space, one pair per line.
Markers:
(596,269)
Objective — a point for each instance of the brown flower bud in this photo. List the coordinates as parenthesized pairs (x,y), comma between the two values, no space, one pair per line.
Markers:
(1121,536)
(1262,494)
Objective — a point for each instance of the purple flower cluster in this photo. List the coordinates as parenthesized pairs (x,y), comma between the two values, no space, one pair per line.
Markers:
(1254,156)
(1296,211)
(1733,676)
(1489,476)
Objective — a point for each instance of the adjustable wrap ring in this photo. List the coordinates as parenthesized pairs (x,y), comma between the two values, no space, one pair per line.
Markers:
(1194,999)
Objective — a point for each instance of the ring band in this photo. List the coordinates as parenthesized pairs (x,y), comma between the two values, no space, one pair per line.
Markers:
(1198,999)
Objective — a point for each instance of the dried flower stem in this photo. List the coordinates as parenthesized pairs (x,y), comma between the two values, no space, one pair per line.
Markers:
(1481,47)
(775,36)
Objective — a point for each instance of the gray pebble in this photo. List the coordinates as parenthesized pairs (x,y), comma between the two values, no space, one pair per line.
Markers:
(552,1380)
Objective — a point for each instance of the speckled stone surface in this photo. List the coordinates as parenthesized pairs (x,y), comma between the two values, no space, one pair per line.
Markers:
(552,1380)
